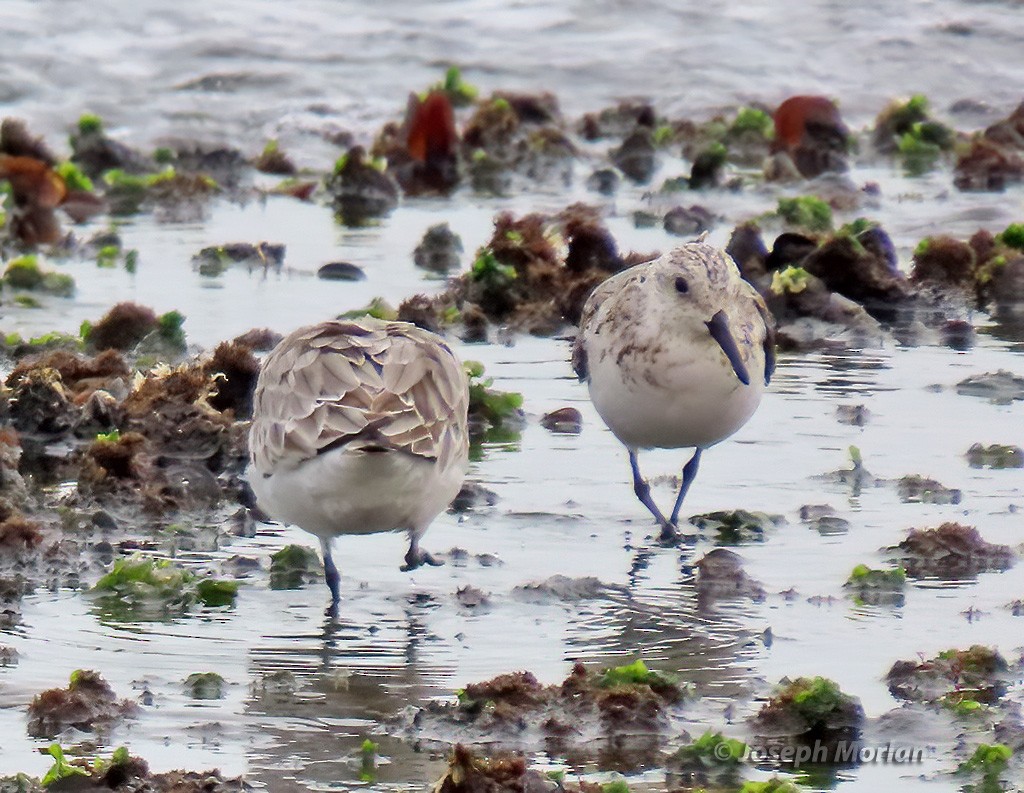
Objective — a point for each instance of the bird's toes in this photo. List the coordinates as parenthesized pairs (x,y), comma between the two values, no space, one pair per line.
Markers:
(420,558)
(432,560)
(670,536)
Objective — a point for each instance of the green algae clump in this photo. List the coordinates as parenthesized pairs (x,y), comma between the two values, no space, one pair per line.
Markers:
(807,212)
(89,123)
(73,176)
(138,583)
(23,273)
(460,93)
(634,674)
(488,271)
(293,566)
(712,749)
(789,281)
(1012,236)
(139,575)
(991,760)
(864,576)
(491,412)
(169,328)
(752,120)
(810,707)
(205,685)
(214,592)
(61,768)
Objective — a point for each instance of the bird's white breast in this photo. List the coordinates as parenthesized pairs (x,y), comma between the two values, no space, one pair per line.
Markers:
(659,379)
(345,492)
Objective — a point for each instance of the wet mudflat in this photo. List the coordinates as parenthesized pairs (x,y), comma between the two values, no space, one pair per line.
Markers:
(862,438)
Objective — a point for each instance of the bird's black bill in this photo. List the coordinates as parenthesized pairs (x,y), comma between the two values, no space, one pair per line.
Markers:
(719,329)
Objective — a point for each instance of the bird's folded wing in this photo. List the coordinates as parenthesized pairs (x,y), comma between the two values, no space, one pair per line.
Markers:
(601,292)
(769,338)
(340,384)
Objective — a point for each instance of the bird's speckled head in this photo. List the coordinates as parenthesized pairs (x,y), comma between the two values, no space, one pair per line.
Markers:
(697,278)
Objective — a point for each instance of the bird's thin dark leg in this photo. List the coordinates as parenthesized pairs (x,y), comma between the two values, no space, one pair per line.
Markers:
(689,474)
(416,556)
(331,574)
(643,492)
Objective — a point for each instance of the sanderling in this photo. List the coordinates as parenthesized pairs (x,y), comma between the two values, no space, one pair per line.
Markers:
(676,353)
(359,426)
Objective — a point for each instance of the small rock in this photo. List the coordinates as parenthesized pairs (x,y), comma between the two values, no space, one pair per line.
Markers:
(440,250)
(567,421)
(688,221)
(747,249)
(293,566)
(103,520)
(720,574)
(86,704)
(957,334)
(359,190)
(986,165)
(951,551)
(645,219)
(738,526)
(914,489)
(978,673)
(855,415)
(205,685)
(471,597)
(94,152)
(823,519)
(1000,387)
(472,496)
(707,167)
(274,161)
(560,587)
(636,157)
(944,260)
(123,327)
(854,271)
(604,181)
(259,339)
(809,709)
(1006,286)
(997,455)
(809,512)
(242,523)
(239,566)
(341,271)
(810,130)
(504,773)
(877,587)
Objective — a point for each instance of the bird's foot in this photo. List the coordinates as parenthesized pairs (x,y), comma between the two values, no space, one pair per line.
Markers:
(417,557)
(670,536)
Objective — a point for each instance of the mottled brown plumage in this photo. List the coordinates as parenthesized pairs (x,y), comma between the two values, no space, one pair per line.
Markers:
(345,382)
(359,426)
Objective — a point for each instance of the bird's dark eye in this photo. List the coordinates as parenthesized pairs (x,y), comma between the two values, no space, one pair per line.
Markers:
(681,286)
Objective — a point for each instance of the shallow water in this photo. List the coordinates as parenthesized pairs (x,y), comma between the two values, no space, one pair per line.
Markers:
(243,71)
(261,69)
